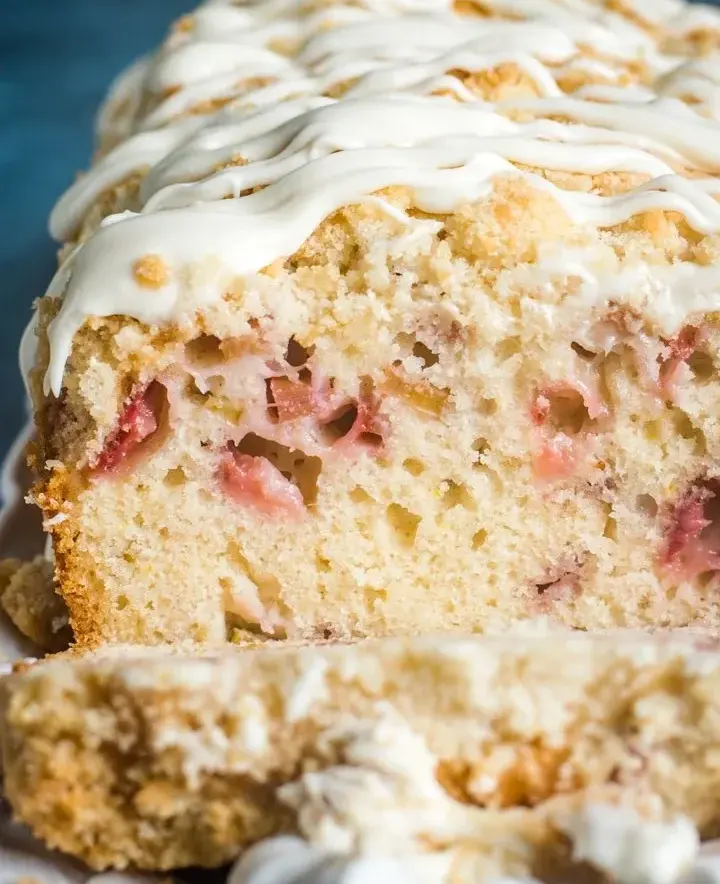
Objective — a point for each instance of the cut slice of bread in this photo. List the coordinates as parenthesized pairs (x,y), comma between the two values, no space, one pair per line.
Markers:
(467,751)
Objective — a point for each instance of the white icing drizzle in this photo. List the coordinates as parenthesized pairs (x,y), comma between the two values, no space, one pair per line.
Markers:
(144,149)
(193,63)
(27,354)
(631,850)
(210,69)
(697,80)
(174,155)
(222,85)
(411,36)
(209,60)
(115,119)
(698,17)
(691,136)
(600,92)
(381,796)
(312,154)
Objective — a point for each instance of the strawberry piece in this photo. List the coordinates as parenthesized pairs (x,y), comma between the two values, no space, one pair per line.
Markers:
(368,427)
(681,348)
(688,521)
(137,422)
(557,459)
(540,409)
(291,399)
(683,345)
(254,481)
(561,591)
(692,537)
(356,422)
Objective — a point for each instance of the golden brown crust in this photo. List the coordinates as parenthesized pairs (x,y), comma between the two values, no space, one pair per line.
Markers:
(84,597)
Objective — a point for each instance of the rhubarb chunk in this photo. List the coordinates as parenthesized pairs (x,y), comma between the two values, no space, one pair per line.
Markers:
(138,421)
(254,481)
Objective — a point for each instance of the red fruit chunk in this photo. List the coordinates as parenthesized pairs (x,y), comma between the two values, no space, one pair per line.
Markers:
(254,481)
(356,423)
(540,409)
(368,427)
(291,399)
(681,348)
(137,422)
(561,591)
(557,459)
(692,536)
(683,345)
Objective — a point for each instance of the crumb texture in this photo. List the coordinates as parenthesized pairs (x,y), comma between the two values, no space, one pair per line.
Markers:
(468,752)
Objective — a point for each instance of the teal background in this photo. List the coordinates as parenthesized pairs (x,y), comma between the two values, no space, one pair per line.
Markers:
(57,58)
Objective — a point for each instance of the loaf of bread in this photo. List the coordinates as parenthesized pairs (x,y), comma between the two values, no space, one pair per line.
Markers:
(465,757)
(383,317)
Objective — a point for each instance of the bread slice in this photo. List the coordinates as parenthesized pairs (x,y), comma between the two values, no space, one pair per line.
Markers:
(470,751)
(28,597)
(354,352)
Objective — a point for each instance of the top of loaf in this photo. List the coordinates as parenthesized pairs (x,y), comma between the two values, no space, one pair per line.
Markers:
(224,152)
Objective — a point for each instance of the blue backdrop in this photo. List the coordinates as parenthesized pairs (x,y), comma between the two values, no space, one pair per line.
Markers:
(57,58)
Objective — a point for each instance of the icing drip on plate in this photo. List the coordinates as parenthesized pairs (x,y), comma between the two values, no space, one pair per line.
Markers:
(378,813)
(614,840)
(293,861)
